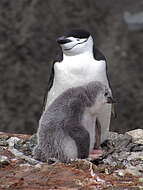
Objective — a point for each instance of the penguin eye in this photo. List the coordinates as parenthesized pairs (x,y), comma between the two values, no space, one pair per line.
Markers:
(78,39)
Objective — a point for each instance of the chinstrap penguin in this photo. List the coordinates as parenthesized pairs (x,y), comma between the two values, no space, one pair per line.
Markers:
(66,129)
(79,64)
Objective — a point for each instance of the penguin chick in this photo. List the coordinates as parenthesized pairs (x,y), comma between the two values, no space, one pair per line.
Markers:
(64,132)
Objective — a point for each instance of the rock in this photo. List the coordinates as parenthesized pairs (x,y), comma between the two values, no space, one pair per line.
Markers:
(12,141)
(127,153)
(141,179)
(82,164)
(38,166)
(137,148)
(23,145)
(134,21)
(135,170)
(16,143)
(120,172)
(3,140)
(120,141)
(4,160)
(137,135)
(20,155)
(135,156)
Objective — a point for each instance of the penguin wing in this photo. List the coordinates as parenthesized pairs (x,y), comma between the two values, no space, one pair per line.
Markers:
(51,78)
(58,58)
(98,55)
(49,86)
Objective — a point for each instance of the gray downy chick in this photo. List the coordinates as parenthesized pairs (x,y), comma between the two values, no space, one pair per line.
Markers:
(66,131)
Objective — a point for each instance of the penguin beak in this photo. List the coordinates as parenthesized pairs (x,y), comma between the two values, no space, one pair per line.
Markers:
(63,40)
(110,100)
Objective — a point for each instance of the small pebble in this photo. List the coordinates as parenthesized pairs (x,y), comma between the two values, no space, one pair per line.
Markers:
(14,160)
(106,171)
(121,173)
(4,160)
(12,141)
(25,165)
(38,166)
(141,179)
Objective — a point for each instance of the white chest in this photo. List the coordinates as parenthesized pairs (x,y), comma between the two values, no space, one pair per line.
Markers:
(83,71)
(75,73)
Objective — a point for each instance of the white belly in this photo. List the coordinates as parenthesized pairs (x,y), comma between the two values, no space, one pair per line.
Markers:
(72,75)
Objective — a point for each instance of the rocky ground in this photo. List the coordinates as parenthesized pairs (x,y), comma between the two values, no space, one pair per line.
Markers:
(119,168)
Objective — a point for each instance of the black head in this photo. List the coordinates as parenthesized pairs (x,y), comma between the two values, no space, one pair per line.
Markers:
(77,33)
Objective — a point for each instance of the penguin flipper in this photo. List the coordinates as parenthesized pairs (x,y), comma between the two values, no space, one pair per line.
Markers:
(50,83)
(82,139)
(57,58)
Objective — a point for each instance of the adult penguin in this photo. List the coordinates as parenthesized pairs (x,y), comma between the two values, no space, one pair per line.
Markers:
(81,62)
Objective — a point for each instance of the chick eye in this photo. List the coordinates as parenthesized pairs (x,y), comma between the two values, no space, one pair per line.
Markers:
(106,94)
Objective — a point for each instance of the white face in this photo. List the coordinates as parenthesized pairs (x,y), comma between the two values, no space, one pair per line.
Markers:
(100,101)
(77,46)
(102,98)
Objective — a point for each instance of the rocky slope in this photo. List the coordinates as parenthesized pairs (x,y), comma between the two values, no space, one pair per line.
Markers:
(119,168)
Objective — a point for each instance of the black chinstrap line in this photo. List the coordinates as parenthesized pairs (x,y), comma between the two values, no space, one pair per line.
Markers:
(75,45)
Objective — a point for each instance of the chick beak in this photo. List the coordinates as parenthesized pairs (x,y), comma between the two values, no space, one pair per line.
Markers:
(110,100)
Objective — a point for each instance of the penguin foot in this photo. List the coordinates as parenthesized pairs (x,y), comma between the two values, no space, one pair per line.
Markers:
(96,153)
